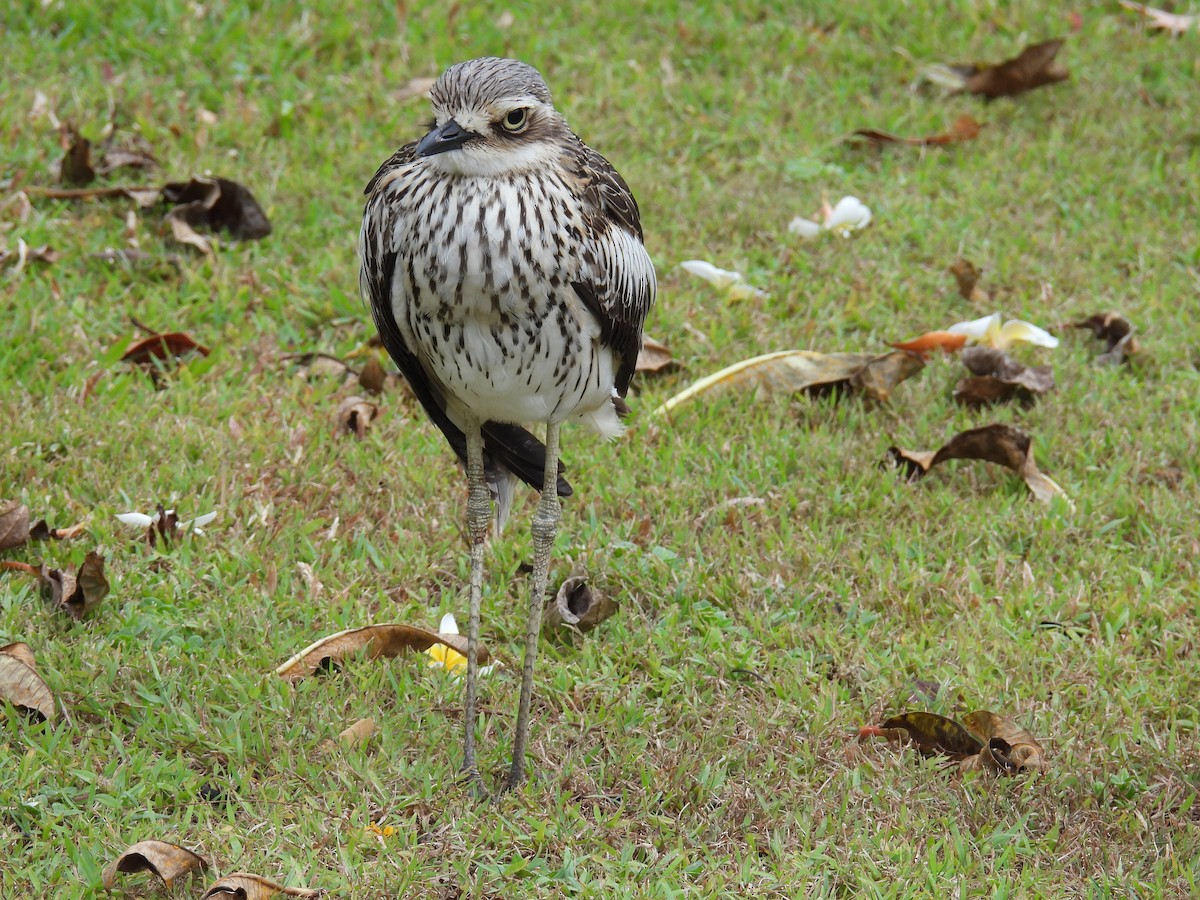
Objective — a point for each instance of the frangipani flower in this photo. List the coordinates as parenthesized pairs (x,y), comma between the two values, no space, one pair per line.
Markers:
(723,280)
(989,332)
(443,657)
(141,520)
(850,214)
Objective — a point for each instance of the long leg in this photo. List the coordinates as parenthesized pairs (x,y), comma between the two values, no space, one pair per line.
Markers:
(545,525)
(479,515)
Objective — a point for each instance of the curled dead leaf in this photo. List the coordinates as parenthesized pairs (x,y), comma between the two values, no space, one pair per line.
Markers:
(792,371)
(965,128)
(654,356)
(1117,334)
(999,378)
(1033,67)
(158,352)
(372,377)
(14,524)
(1175,24)
(167,861)
(577,606)
(355,735)
(218,204)
(375,641)
(966,276)
(1009,748)
(932,734)
(355,415)
(1000,444)
(76,166)
(76,593)
(247,886)
(25,254)
(22,686)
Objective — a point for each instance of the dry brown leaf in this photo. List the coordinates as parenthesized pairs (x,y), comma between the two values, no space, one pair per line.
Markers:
(77,593)
(14,524)
(999,378)
(1008,748)
(413,88)
(1117,334)
(25,254)
(577,607)
(654,357)
(167,861)
(965,128)
(355,415)
(41,531)
(1174,24)
(372,377)
(217,204)
(1033,67)
(966,276)
(76,166)
(246,886)
(792,371)
(946,341)
(932,734)
(158,352)
(21,685)
(356,735)
(998,444)
(376,641)
(313,364)
(182,230)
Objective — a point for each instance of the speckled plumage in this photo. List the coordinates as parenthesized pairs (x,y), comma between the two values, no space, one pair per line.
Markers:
(518,294)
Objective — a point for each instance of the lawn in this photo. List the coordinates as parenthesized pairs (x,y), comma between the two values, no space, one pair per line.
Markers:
(704,741)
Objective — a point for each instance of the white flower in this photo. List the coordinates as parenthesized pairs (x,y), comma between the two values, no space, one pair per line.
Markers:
(141,520)
(850,214)
(723,280)
(444,657)
(990,333)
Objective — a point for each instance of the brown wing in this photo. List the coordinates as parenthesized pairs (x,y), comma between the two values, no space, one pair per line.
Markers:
(622,285)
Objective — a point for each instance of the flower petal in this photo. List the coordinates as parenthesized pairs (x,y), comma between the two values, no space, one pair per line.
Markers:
(1015,331)
(744,291)
(976,329)
(198,522)
(448,625)
(141,520)
(849,215)
(806,228)
(718,278)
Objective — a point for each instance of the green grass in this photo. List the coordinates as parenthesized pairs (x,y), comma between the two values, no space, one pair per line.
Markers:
(661,768)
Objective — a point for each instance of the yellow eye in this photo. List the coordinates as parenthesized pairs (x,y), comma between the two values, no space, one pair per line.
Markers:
(515,120)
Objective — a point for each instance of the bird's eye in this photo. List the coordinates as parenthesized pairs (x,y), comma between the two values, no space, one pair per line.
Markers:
(515,120)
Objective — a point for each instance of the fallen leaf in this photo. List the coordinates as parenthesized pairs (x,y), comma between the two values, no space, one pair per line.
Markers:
(1117,334)
(654,357)
(355,415)
(246,886)
(21,685)
(358,733)
(41,531)
(1172,23)
(966,276)
(167,861)
(76,166)
(215,204)
(159,352)
(375,640)
(791,371)
(998,378)
(135,156)
(26,254)
(1008,748)
(413,88)
(372,377)
(947,341)
(77,593)
(315,364)
(1034,67)
(14,524)
(577,607)
(932,734)
(998,444)
(965,128)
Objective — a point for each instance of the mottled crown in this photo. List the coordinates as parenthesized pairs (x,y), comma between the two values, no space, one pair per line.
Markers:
(479,82)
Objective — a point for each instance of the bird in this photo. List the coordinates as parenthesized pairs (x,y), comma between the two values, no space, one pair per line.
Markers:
(504,263)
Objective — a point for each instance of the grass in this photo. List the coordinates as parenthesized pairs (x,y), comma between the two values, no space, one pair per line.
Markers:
(702,742)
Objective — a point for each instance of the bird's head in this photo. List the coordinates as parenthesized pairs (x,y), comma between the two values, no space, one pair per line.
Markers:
(492,116)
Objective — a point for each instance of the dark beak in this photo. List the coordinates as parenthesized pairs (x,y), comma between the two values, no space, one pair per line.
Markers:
(450,136)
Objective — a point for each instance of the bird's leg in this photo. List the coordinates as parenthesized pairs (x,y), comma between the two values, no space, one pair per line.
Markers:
(479,517)
(545,524)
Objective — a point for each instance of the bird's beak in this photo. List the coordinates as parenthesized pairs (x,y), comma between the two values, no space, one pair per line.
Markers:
(450,136)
